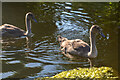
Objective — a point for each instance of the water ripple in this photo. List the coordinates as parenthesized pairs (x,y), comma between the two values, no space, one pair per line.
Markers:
(13,62)
(7,74)
(33,65)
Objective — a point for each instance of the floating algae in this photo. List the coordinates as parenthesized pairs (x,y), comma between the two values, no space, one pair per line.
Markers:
(86,73)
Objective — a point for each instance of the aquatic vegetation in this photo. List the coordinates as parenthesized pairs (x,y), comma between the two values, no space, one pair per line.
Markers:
(86,73)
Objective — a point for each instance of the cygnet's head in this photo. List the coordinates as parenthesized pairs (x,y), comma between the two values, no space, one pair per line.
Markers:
(30,15)
(96,29)
(61,39)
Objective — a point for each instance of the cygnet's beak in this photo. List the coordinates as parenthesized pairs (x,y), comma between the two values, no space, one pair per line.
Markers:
(101,33)
(34,19)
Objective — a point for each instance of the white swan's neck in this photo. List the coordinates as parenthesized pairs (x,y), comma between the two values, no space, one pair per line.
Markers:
(93,49)
(28,25)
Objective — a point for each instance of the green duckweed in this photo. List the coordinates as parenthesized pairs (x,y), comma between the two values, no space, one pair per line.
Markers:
(85,73)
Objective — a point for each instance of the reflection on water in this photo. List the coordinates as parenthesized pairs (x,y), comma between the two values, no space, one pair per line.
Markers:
(40,56)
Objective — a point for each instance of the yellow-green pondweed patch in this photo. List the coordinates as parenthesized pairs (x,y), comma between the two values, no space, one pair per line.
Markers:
(86,73)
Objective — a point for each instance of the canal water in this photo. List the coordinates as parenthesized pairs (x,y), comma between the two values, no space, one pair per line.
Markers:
(40,55)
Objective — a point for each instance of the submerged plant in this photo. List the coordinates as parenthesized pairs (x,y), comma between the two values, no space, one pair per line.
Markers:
(102,72)
(85,73)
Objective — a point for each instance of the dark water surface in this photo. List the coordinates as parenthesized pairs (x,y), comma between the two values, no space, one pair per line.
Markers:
(40,56)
